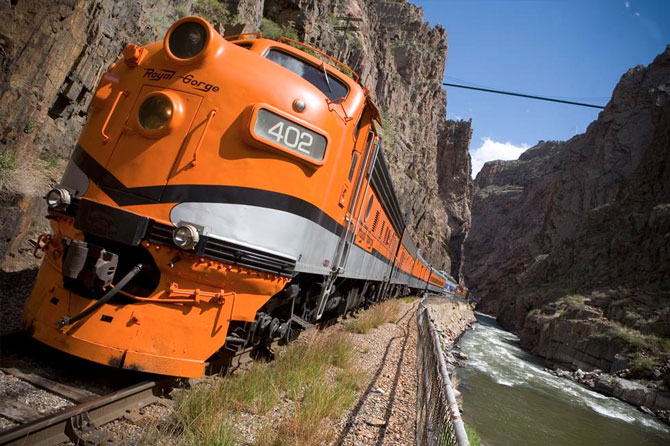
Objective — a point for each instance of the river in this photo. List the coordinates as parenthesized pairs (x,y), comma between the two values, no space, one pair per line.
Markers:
(510,399)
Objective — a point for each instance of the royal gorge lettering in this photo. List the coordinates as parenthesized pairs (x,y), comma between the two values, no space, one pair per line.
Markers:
(160,74)
(198,85)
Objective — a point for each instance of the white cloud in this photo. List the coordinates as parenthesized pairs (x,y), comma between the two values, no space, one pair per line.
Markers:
(627,4)
(494,150)
(637,14)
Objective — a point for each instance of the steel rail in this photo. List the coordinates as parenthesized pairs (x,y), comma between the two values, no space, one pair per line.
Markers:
(68,424)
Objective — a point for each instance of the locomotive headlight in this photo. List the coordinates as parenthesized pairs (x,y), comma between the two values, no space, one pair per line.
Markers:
(158,113)
(190,39)
(186,236)
(58,198)
(155,112)
(187,40)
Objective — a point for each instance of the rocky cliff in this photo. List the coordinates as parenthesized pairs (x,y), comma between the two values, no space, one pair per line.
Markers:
(570,244)
(53,54)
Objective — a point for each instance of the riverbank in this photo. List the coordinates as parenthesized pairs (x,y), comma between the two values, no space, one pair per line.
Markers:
(511,398)
(451,316)
(645,396)
(587,339)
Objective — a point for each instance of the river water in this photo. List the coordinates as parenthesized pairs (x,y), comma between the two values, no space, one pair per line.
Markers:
(510,399)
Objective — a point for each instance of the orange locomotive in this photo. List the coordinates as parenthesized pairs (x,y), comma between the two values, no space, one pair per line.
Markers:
(222,194)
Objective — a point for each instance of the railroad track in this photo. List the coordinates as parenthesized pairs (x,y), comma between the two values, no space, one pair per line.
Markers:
(48,380)
(80,423)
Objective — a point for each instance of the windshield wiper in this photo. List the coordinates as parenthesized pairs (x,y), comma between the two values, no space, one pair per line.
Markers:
(325,74)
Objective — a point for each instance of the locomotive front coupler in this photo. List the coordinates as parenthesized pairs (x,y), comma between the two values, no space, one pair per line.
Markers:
(88,264)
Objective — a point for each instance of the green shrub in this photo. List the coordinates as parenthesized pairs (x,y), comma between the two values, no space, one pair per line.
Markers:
(388,130)
(213,11)
(272,30)
(642,366)
(573,301)
(638,341)
(30,126)
(51,161)
(7,162)
(180,11)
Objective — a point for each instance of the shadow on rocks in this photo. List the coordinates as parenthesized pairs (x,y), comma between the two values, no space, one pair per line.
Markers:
(14,290)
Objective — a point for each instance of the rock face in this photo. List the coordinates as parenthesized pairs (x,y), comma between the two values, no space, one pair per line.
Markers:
(55,52)
(570,244)
(452,163)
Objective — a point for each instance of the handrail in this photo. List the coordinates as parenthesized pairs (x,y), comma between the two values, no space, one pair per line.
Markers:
(439,420)
(337,64)
(178,295)
(105,137)
(210,115)
(257,34)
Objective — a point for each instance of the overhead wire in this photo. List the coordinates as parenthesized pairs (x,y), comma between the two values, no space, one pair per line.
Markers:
(522,95)
(570,98)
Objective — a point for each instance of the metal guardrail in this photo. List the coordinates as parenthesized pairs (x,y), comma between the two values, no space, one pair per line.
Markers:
(439,421)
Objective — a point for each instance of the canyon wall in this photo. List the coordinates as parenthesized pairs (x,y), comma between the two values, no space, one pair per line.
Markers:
(570,244)
(53,54)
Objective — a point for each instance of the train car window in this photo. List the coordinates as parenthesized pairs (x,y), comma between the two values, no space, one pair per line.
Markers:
(326,82)
(354,160)
(357,130)
(246,45)
(367,211)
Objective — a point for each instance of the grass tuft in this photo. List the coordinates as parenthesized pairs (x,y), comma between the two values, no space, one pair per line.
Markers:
(8,163)
(642,366)
(316,376)
(7,160)
(473,436)
(571,302)
(645,352)
(374,317)
(634,340)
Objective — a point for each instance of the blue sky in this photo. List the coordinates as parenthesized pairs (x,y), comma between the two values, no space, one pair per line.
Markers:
(574,50)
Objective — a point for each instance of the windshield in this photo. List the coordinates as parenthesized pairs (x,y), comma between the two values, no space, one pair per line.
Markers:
(329,85)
